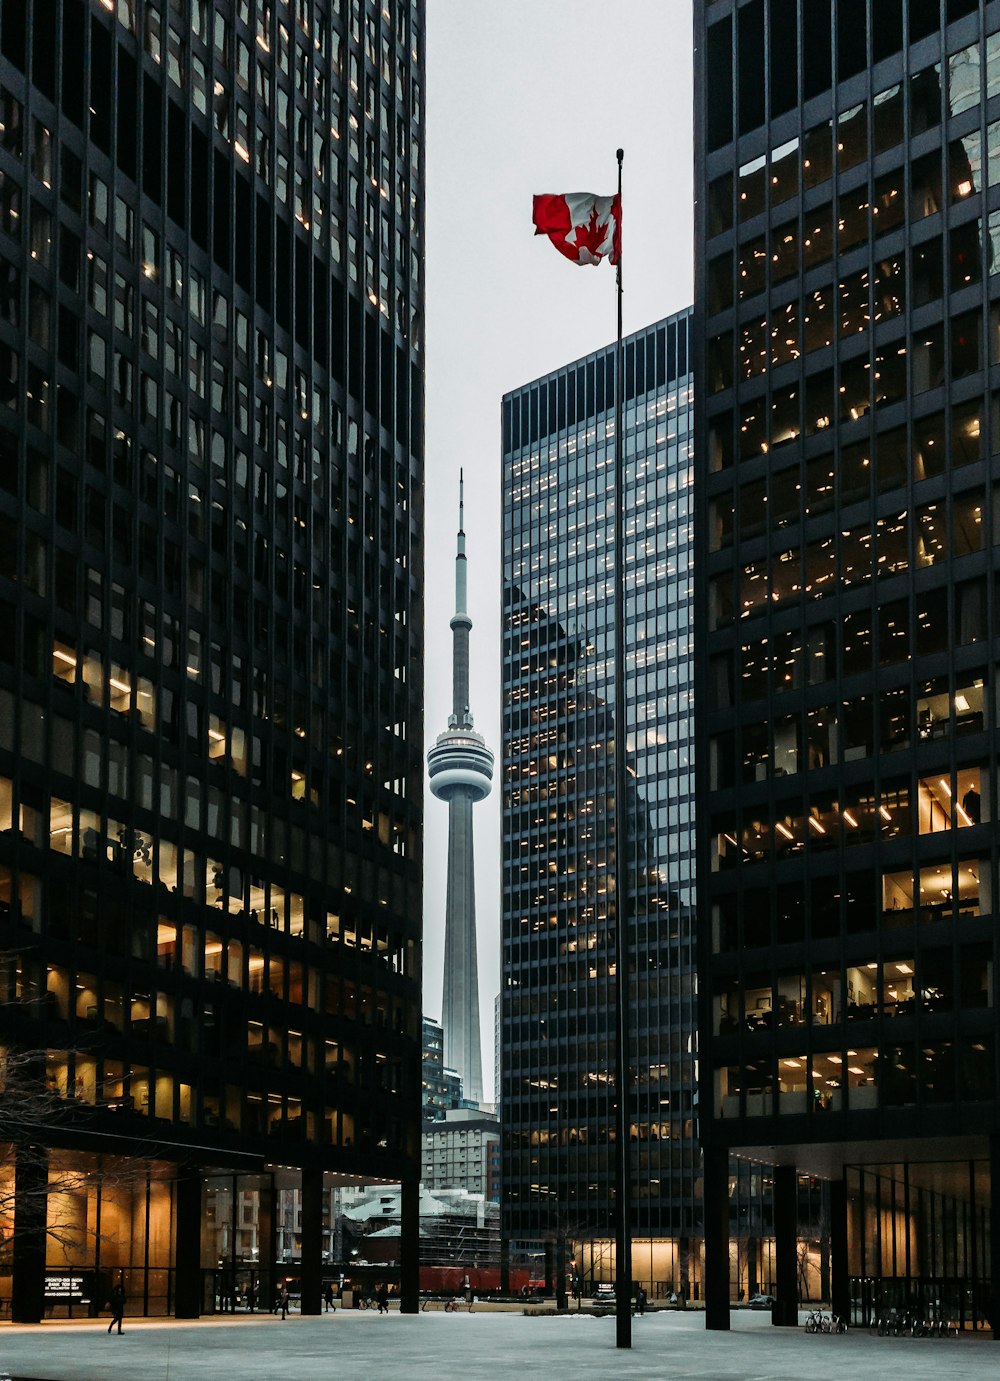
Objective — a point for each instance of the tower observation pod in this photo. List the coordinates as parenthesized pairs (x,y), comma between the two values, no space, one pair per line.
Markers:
(460,769)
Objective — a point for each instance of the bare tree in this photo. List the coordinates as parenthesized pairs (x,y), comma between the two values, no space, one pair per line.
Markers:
(38,1115)
(566,1235)
(38,1183)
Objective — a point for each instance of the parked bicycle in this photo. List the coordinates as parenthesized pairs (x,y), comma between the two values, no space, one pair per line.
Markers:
(819,1321)
(909,1324)
(451,1304)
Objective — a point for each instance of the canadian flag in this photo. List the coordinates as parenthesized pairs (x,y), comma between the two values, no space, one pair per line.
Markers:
(583,227)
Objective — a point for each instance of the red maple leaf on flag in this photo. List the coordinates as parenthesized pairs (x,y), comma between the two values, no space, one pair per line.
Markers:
(590,237)
(583,227)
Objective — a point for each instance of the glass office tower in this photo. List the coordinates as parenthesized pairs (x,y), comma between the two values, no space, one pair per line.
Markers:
(211,221)
(846,347)
(559,726)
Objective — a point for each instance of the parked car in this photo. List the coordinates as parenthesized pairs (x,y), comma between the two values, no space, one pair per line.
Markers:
(760,1301)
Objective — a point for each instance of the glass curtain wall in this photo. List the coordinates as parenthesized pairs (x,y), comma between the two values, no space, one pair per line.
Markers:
(560,725)
(920,1242)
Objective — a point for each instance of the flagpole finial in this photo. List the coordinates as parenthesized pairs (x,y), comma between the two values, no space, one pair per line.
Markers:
(620,154)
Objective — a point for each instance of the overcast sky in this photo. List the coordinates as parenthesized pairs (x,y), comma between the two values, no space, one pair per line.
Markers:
(527,96)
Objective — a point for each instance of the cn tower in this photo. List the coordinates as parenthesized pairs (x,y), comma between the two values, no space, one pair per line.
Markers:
(460,767)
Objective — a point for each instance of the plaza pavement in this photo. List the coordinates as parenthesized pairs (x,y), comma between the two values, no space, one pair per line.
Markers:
(355,1346)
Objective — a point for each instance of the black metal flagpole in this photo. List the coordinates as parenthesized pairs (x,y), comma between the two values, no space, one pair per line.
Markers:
(623,1159)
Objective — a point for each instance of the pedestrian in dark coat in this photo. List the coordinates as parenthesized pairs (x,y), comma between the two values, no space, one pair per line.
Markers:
(283,1300)
(117,1302)
(328,1296)
(382,1299)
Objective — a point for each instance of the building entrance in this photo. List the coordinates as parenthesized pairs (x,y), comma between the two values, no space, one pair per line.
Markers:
(919,1242)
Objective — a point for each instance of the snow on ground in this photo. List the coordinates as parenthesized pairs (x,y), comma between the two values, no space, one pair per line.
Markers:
(354,1346)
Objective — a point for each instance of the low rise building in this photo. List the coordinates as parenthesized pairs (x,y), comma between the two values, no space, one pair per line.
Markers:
(461,1151)
(458,1229)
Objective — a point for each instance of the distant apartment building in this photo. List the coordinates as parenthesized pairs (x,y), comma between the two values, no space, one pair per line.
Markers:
(460,1152)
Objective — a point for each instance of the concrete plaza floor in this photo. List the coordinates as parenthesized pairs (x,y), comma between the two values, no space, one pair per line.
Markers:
(470,1347)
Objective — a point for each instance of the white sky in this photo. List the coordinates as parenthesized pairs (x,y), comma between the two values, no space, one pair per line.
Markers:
(527,96)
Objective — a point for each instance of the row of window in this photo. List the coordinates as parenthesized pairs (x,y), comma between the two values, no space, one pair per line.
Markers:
(651,362)
(847,732)
(86,834)
(249,138)
(899,987)
(930,895)
(754,57)
(790,495)
(827,313)
(937,353)
(859,1080)
(855,815)
(865,639)
(911,540)
(132,1090)
(101,1004)
(856,136)
(105,763)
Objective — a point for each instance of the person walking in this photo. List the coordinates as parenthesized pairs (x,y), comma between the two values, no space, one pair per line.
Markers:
(283,1301)
(382,1298)
(328,1296)
(641,1300)
(117,1303)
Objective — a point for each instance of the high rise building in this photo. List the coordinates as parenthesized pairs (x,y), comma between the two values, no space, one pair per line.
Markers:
(442,1086)
(460,768)
(560,722)
(497,1052)
(846,558)
(211,375)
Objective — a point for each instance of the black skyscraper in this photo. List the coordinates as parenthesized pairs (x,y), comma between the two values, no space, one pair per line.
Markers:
(846,556)
(211,445)
(560,822)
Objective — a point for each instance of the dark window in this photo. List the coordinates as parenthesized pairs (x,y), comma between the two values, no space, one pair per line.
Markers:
(750,69)
(719,61)
(852,54)
(817,48)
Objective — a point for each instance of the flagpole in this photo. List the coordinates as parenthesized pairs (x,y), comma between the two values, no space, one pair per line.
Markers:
(623,1159)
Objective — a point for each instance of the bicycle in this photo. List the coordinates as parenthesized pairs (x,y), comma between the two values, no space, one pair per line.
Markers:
(818,1321)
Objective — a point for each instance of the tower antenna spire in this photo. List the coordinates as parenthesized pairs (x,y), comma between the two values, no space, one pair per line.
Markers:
(461,588)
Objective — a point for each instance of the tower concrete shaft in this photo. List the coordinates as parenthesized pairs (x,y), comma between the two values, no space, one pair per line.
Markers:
(460,767)
(460,998)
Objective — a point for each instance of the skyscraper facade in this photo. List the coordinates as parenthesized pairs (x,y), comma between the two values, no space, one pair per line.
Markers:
(460,768)
(442,1088)
(846,557)
(211,230)
(559,814)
